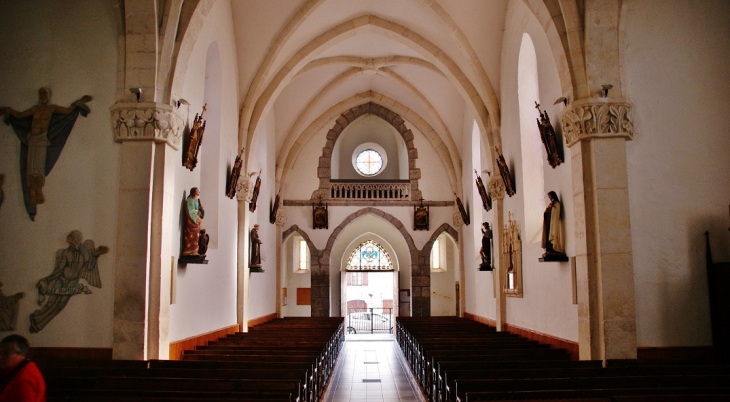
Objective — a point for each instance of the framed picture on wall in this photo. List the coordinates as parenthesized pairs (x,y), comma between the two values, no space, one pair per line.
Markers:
(319,216)
(420,217)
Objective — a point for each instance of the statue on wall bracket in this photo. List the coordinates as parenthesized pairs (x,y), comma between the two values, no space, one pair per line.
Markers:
(319,216)
(255,194)
(9,310)
(190,157)
(273,211)
(420,216)
(462,211)
(509,185)
(77,261)
(485,252)
(486,200)
(235,174)
(552,231)
(549,140)
(254,250)
(43,130)
(195,240)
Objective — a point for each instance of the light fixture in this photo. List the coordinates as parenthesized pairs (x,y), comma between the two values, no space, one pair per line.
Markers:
(562,99)
(137,92)
(604,90)
(181,101)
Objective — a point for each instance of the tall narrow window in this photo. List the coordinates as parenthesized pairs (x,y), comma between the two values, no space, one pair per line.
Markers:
(303,255)
(533,179)
(436,256)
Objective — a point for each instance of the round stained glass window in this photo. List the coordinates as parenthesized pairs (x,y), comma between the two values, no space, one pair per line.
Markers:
(369,162)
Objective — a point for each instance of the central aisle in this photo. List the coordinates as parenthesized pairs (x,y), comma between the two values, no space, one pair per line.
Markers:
(372,368)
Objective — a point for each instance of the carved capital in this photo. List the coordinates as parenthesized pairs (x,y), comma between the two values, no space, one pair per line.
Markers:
(495,187)
(597,118)
(147,122)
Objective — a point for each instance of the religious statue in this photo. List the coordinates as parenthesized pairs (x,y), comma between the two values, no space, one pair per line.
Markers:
(9,310)
(462,211)
(43,130)
(203,241)
(190,158)
(509,186)
(486,200)
(255,194)
(77,261)
(194,214)
(235,174)
(274,209)
(486,250)
(547,134)
(552,231)
(254,254)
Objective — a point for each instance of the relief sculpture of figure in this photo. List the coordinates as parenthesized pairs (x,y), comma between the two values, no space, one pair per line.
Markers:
(190,157)
(552,231)
(43,130)
(547,134)
(77,261)
(255,248)
(194,214)
(9,310)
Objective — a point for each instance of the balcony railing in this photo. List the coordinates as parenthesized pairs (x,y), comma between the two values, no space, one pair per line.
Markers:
(391,190)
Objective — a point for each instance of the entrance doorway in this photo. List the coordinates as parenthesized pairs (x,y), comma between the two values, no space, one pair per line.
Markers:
(369,299)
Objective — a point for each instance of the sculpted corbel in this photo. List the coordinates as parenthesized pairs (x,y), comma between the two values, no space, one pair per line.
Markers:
(147,122)
(591,118)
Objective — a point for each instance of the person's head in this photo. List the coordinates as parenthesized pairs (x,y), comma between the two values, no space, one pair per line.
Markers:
(44,95)
(13,349)
(194,192)
(74,238)
(256,226)
(553,196)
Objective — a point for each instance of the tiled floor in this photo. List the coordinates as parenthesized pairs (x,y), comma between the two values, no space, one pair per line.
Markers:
(372,368)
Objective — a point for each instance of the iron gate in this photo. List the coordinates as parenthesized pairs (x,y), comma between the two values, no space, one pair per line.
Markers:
(369,320)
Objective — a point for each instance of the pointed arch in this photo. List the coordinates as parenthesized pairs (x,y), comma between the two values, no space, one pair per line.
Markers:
(441,229)
(390,117)
(290,151)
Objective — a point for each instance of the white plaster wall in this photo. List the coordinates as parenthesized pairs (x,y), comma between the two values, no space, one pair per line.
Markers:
(73,50)
(546,305)
(677,67)
(262,290)
(205,295)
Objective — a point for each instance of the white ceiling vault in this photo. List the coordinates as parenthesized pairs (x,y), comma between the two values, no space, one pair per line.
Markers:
(307,61)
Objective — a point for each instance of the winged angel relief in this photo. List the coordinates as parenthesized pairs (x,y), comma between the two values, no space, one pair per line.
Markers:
(77,261)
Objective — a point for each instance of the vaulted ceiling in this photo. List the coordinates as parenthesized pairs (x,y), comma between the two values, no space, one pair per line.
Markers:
(436,63)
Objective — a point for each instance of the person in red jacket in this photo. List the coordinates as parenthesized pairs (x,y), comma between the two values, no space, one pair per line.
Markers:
(20,379)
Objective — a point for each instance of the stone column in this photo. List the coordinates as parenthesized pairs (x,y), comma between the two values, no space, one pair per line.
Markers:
(496,189)
(596,131)
(149,134)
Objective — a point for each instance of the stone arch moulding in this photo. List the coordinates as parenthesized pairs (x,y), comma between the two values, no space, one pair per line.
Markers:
(314,252)
(443,228)
(394,119)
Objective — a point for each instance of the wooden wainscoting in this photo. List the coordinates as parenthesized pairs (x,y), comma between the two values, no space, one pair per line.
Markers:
(261,320)
(570,346)
(178,347)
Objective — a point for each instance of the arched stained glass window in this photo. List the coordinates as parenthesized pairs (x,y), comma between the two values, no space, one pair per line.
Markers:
(369,256)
